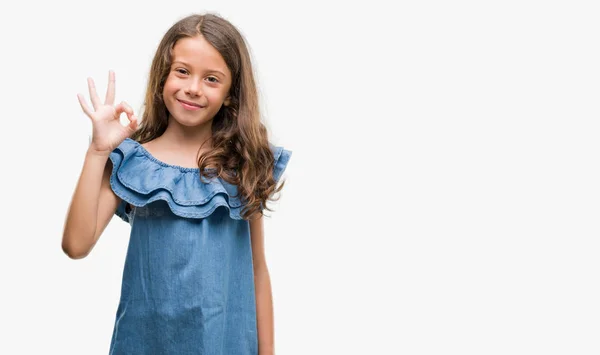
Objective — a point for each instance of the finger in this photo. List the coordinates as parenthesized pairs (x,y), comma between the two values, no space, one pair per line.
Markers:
(124,107)
(133,123)
(84,106)
(93,94)
(110,92)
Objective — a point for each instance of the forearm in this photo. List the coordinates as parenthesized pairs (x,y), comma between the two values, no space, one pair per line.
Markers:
(80,225)
(264,311)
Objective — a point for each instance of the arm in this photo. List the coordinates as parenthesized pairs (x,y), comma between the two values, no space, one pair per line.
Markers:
(94,203)
(262,281)
(91,208)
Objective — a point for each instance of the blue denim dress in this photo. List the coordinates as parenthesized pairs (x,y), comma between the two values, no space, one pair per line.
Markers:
(188,281)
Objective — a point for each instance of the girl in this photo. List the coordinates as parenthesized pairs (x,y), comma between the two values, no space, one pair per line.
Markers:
(192,181)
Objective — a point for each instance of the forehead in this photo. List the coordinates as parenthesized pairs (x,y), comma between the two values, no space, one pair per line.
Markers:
(198,53)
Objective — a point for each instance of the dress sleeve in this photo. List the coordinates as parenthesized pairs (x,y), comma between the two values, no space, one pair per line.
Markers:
(282,157)
(122,212)
(116,157)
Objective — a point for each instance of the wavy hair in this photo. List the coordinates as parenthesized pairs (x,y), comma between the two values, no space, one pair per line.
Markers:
(241,154)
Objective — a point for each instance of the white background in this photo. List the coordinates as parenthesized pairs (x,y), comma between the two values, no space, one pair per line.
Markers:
(442,197)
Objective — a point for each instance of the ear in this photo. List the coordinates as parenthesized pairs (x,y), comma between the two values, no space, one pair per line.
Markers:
(227,101)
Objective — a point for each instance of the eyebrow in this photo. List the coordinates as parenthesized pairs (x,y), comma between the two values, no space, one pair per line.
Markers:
(210,70)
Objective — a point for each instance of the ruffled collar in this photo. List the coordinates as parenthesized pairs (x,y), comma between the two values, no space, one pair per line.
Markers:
(139,178)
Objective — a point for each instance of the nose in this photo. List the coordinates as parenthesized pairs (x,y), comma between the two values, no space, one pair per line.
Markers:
(193,88)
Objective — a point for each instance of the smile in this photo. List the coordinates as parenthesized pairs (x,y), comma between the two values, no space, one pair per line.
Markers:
(189,106)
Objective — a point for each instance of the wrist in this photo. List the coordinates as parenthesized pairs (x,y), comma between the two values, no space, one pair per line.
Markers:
(96,154)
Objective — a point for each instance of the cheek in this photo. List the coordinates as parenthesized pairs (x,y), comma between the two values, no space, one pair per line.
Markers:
(168,88)
(215,95)
(168,94)
(172,84)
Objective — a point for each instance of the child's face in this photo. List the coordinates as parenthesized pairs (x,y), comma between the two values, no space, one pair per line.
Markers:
(198,76)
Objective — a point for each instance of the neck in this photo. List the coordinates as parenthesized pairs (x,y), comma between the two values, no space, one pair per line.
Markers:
(187,138)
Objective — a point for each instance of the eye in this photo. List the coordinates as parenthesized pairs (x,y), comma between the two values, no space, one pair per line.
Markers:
(212,77)
(181,71)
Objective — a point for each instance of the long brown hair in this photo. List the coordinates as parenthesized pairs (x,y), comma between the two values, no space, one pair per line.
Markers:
(241,154)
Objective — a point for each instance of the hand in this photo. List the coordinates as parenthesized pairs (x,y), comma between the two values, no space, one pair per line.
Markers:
(108,132)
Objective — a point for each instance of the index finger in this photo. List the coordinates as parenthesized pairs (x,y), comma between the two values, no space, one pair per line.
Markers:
(110,91)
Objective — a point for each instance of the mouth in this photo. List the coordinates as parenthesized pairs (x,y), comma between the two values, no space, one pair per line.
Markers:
(190,105)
